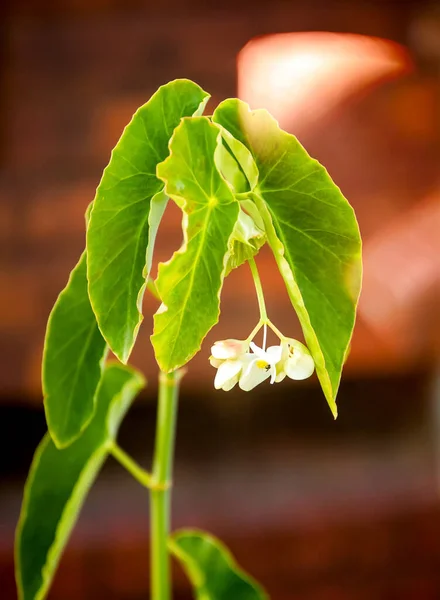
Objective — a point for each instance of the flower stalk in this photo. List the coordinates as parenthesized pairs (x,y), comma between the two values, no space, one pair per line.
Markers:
(264,320)
(236,364)
(259,290)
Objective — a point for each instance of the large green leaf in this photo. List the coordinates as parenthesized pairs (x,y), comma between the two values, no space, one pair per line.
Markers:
(120,230)
(74,354)
(58,483)
(212,569)
(189,284)
(313,233)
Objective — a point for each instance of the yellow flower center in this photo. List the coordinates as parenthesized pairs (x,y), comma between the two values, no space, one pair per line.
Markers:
(262,364)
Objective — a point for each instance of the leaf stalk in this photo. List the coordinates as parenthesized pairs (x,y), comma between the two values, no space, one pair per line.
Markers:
(139,473)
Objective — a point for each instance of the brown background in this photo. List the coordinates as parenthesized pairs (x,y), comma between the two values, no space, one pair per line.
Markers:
(312,508)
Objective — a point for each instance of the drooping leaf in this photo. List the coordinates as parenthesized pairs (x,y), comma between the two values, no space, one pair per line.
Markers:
(212,569)
(120,232)
(58,483)
(73,358)
(189,284)
(313,233)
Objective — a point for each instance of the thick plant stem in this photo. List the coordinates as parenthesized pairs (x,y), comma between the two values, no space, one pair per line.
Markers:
(160,492)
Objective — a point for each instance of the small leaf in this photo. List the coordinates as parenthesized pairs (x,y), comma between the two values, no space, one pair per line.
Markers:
(58,483)
(312,231)
(120,232)
(212,569)
(190,283)
(244,158)
(73,358)
(237,166)
(231,170)
(245,242)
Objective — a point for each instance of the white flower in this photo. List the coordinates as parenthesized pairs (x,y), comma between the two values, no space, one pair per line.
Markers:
(228,357)
(235,364)
(260,366)
(296,361)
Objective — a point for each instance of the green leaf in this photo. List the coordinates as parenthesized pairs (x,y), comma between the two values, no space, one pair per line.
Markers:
(189,284)
(212,569)
(73,358)
(120,232)
(312,231)
(58,483)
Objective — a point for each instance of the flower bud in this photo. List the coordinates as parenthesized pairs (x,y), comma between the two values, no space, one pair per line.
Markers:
(299,363)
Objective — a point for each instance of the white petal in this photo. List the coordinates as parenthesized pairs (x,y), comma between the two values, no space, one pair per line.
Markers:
(215,362)
(257,350)
(273,373)
(299,366)
(226,371)
(273,354)
(253,375)
(217,352)
(230,348)
(297,345)
(230,383)
(280,372)
(285,351)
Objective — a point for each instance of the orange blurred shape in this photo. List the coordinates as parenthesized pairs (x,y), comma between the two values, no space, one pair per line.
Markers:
(300,77)
(402,266)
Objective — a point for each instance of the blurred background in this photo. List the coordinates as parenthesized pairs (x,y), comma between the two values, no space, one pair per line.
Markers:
(315,509)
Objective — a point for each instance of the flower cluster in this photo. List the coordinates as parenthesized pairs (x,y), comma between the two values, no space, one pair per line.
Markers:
(236,364)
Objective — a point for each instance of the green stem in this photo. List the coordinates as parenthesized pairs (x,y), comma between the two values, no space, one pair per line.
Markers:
(264,320)
(160,493)
(132,467)
(255,330)
(259,290)
(276,330)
